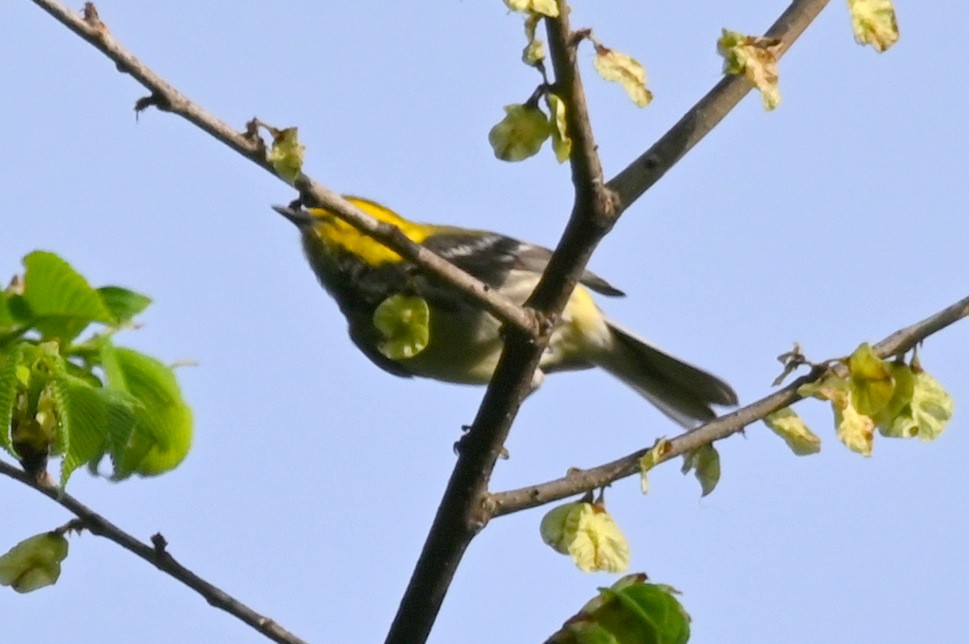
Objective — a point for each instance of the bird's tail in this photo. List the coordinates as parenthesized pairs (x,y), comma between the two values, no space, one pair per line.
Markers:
(680,390)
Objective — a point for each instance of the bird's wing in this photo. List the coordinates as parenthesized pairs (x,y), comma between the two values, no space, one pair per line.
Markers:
(489,257)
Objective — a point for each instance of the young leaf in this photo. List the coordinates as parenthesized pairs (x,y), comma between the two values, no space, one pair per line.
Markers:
(705,462)
(10,361)
(33,563)
(61,301)
(920,408)
(655,455)
(855,430)
(871,382)
(162,432)
(627,71)
(90,418)
(404,322)
(286,154)
(520,134)
(631,611)
(756,59)
(873,22)
(122,303)
(789,426)
(534,51)
(586,533)
(561,142)
(548,8)
(7,319)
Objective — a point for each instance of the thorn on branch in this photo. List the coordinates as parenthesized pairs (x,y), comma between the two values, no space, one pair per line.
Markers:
(157,100)
(90,15)
(160,543)
(75,525)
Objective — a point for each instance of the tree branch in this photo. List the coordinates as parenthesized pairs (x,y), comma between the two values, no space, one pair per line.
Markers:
(467,505)
(166,98)
(158,556)
(630,184)
(464,510)
(581,481)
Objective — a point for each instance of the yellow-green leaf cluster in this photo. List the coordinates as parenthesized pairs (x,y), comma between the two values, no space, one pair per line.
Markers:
(631,611)
(404,323)
(755,58)
(33,563)
(620,68)
(789,426)
(901,401)
(588,534)
(80,400)
(873,22)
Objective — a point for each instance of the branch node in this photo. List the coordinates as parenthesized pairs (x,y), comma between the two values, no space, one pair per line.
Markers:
(160,544)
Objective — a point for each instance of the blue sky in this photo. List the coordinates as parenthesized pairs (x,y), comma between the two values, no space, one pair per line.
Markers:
(834,220)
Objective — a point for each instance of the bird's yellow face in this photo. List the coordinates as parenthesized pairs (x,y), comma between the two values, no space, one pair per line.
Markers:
(340,237)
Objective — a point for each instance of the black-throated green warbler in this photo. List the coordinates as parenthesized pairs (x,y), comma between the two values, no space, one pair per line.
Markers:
(464,342)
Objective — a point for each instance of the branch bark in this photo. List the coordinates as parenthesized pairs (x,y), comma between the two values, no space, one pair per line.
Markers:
(158,556)
(581,481)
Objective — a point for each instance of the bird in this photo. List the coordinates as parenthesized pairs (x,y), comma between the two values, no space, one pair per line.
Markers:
(464,341)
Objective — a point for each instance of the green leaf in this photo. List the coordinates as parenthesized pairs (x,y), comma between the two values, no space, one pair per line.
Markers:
(561,142)
(871,382)
(520,134)
(544,7)
(705,461)
(789,426)
(656,454)
(122,303)
(534,51)
(91,418)
(632,611)
(404,323)
(9,385)
(921,408)
(855,430)
(286,154)
(33,563)
(627,71)
(61,301)
(7,320)
(163,420)
(588,534)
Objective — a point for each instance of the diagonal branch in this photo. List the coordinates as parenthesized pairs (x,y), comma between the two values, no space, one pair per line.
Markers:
(581,481)
(166,98)
(158,556)
(630,184)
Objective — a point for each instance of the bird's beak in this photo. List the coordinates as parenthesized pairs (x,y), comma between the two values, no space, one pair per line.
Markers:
(301,218)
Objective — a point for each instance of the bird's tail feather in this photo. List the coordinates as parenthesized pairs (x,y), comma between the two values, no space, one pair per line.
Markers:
(680,390)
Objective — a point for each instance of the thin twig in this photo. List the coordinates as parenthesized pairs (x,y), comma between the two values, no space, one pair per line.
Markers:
(158,556)
(582,481)
(165,97)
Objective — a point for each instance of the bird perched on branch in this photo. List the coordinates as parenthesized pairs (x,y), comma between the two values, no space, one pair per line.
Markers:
(410,324)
